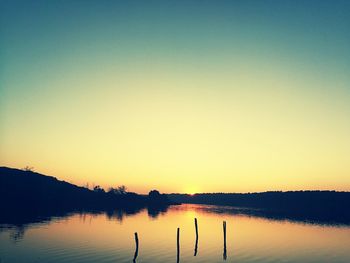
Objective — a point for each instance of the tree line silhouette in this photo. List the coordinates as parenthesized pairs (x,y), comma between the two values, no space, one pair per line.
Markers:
(25,191)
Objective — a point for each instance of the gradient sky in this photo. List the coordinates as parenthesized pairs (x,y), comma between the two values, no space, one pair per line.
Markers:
(181,96)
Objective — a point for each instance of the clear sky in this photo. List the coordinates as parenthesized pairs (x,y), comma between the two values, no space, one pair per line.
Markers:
(181,96)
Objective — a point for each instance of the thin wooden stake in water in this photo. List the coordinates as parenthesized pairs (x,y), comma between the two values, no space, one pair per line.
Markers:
(137,247)
(224,229)
(196,245)
(178,245)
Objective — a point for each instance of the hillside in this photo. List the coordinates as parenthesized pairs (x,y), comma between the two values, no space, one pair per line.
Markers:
(33,191)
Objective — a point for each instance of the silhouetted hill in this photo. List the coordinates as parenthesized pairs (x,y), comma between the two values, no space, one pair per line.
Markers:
(27,191)
(325,206)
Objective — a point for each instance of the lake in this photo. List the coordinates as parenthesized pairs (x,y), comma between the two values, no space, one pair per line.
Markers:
(109,237)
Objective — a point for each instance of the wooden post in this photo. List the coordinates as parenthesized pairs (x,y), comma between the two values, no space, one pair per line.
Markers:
(224,229)
(137,247)
(178,245)
(196,245)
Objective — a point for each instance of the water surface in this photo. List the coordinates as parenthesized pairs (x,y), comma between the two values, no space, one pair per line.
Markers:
(106,237)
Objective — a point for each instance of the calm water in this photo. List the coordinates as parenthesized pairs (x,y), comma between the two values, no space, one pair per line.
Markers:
(105,238)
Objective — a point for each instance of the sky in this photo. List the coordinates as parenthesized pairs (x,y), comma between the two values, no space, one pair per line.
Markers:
(179,96)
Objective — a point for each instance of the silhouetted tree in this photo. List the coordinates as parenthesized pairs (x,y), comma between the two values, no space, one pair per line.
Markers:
(154,194)
(155,198)
(120,190)
(28,169)
(98,189)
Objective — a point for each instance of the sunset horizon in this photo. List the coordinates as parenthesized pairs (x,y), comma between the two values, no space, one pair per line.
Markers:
(189,190)
(210,97)
(163,130)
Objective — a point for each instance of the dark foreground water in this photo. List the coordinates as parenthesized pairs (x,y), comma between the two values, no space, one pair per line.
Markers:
(102,237)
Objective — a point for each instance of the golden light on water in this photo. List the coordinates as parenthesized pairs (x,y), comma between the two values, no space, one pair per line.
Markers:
(260,236)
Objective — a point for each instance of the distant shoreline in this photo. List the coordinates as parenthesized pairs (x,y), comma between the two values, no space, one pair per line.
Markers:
(27,192)
(318,206)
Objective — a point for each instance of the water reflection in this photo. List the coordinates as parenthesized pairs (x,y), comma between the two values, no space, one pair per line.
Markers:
(17,233)
(155,211)
(109,236)
(272,215)
(17,223)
